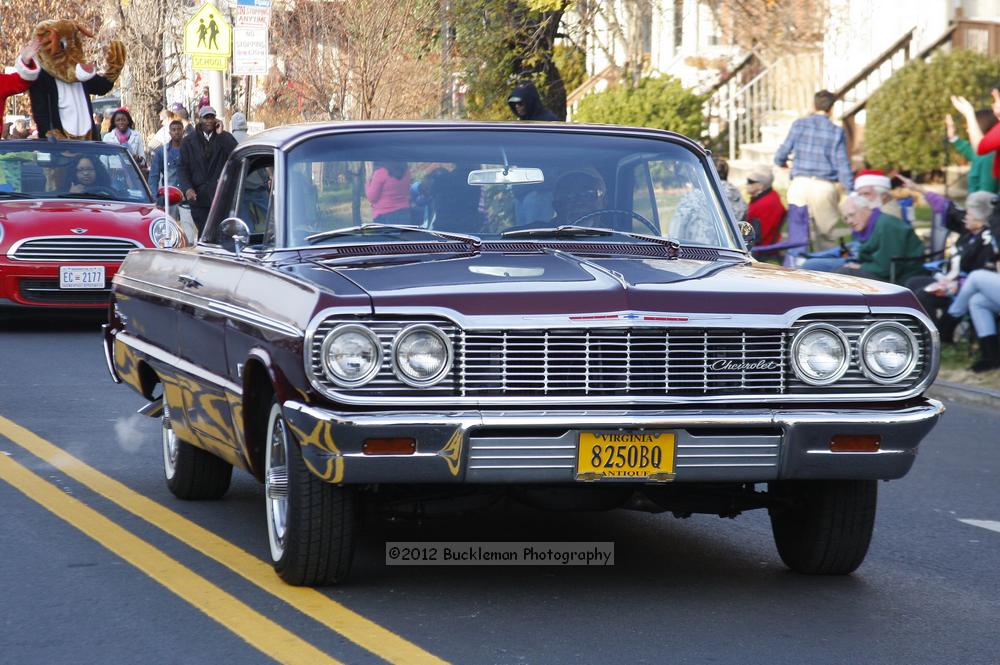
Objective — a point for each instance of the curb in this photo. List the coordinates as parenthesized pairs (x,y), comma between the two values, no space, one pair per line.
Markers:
(965,394)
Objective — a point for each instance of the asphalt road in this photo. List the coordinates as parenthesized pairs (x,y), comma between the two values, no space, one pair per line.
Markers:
(86,577)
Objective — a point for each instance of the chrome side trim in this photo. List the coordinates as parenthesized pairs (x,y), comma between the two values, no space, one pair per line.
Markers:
(144,347)
(208,304)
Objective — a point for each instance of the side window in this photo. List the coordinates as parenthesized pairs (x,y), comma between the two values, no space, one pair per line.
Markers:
(255,204)
(224,204)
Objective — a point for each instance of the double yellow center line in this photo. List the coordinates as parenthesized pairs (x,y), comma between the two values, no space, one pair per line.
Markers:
(265,635)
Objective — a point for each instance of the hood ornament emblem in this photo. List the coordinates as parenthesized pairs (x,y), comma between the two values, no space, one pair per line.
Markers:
(78,231)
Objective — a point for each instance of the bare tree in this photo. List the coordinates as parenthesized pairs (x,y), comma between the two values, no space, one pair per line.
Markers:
(362,59)
(774,26)
(152,31)
(619,29)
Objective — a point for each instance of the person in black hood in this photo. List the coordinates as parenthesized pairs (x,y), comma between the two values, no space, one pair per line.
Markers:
(526,104)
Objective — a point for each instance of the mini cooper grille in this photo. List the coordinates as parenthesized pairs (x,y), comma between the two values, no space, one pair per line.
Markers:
(74,248)
(48,291)
(641,362)
(854,380)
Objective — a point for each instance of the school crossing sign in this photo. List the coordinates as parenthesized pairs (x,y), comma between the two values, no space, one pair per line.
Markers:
(208,39)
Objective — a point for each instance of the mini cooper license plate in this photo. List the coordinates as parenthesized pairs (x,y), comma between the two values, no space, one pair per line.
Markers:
(625,455)
(81,277)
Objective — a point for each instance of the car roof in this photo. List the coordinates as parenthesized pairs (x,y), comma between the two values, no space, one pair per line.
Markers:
(12,145)
(287,135)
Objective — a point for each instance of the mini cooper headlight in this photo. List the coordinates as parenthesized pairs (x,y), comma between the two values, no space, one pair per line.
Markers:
(820,354)
(421,355)
(888,352)
(164,232)
(352,355)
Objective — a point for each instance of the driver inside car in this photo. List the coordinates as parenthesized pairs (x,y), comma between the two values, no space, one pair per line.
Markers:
(86,175)
(578,194)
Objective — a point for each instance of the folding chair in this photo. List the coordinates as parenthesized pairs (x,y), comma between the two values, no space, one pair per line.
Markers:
(796,242)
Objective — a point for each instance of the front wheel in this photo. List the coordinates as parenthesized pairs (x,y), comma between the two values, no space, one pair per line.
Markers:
(311,524)
(823,527)
(191,473)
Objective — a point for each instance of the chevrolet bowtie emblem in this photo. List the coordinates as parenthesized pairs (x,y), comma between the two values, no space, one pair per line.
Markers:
(78,231)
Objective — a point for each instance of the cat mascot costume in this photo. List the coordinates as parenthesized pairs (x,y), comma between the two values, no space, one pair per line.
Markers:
(60,97)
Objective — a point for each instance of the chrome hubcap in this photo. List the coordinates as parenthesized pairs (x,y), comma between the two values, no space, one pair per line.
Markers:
(169,444)
(276,484)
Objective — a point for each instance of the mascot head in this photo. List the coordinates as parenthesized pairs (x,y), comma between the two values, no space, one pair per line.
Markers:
(61,48)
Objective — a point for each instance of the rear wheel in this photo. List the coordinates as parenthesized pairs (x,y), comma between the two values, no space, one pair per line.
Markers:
(823,527)
(191,472)
(311,524)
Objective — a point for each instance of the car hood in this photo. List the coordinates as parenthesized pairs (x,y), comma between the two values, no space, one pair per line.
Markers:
(30,218)
(562,283)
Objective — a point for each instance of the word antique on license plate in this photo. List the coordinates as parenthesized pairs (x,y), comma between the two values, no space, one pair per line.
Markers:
(81,277)
(635,455)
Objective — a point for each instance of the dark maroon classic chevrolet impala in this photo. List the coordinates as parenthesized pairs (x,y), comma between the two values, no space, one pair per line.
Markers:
(565,313)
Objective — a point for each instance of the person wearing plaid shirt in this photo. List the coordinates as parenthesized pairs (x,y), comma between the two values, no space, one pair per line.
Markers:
(820,157)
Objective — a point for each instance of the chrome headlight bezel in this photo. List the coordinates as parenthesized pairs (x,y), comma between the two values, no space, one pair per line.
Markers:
(872,373)
(369,374)
(174,229)
(797,342)
(445,366)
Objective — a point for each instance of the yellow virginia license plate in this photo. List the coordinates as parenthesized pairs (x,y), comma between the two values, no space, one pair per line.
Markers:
(631,455)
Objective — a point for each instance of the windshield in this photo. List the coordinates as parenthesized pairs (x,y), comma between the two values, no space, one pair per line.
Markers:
(525,185)
(77,169)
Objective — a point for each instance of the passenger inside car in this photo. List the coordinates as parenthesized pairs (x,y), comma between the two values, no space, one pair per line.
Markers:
(454,203)
(577,197)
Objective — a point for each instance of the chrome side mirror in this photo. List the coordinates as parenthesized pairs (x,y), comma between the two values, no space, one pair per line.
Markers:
(235,235)
(749,233)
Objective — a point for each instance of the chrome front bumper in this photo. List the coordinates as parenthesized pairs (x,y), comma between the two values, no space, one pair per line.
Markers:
(720,445)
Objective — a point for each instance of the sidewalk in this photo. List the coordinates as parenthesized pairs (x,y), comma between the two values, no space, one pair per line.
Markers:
(964,393)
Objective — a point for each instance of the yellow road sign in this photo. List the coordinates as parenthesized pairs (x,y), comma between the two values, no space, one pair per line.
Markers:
(208,33)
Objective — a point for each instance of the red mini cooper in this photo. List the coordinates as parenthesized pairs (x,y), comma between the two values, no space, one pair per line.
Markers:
(69,213)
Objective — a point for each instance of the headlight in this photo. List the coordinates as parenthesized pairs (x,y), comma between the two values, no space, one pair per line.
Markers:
(820,354)
(164,232)
(888,352)
(421,355)
(352,355)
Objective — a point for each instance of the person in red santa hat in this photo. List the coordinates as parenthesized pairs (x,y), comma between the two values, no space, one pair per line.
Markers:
(26,71)
(876,187)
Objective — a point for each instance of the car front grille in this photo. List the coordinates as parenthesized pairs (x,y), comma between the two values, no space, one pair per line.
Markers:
(74,248)
(615,361)
(606,365)
(47,291)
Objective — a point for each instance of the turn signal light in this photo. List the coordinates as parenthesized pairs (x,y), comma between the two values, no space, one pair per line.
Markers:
(850,443)
(397,446)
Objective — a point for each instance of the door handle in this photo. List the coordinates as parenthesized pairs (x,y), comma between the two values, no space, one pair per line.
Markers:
(188,281)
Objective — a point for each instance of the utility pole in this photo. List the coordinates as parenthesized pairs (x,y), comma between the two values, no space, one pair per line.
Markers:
(446,78)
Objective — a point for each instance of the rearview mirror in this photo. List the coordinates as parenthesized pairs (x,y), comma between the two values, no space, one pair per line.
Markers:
(512,175)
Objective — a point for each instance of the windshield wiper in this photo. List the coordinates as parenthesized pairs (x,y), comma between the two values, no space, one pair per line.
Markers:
(87,195)
(401,228)
(15,195)
(569,231)
(566,230)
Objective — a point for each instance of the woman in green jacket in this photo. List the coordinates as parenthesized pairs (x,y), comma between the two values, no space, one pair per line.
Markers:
(981,177)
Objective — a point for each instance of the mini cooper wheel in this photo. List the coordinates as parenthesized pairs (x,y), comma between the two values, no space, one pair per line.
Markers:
(823,527)
(191,473)
(311,524)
